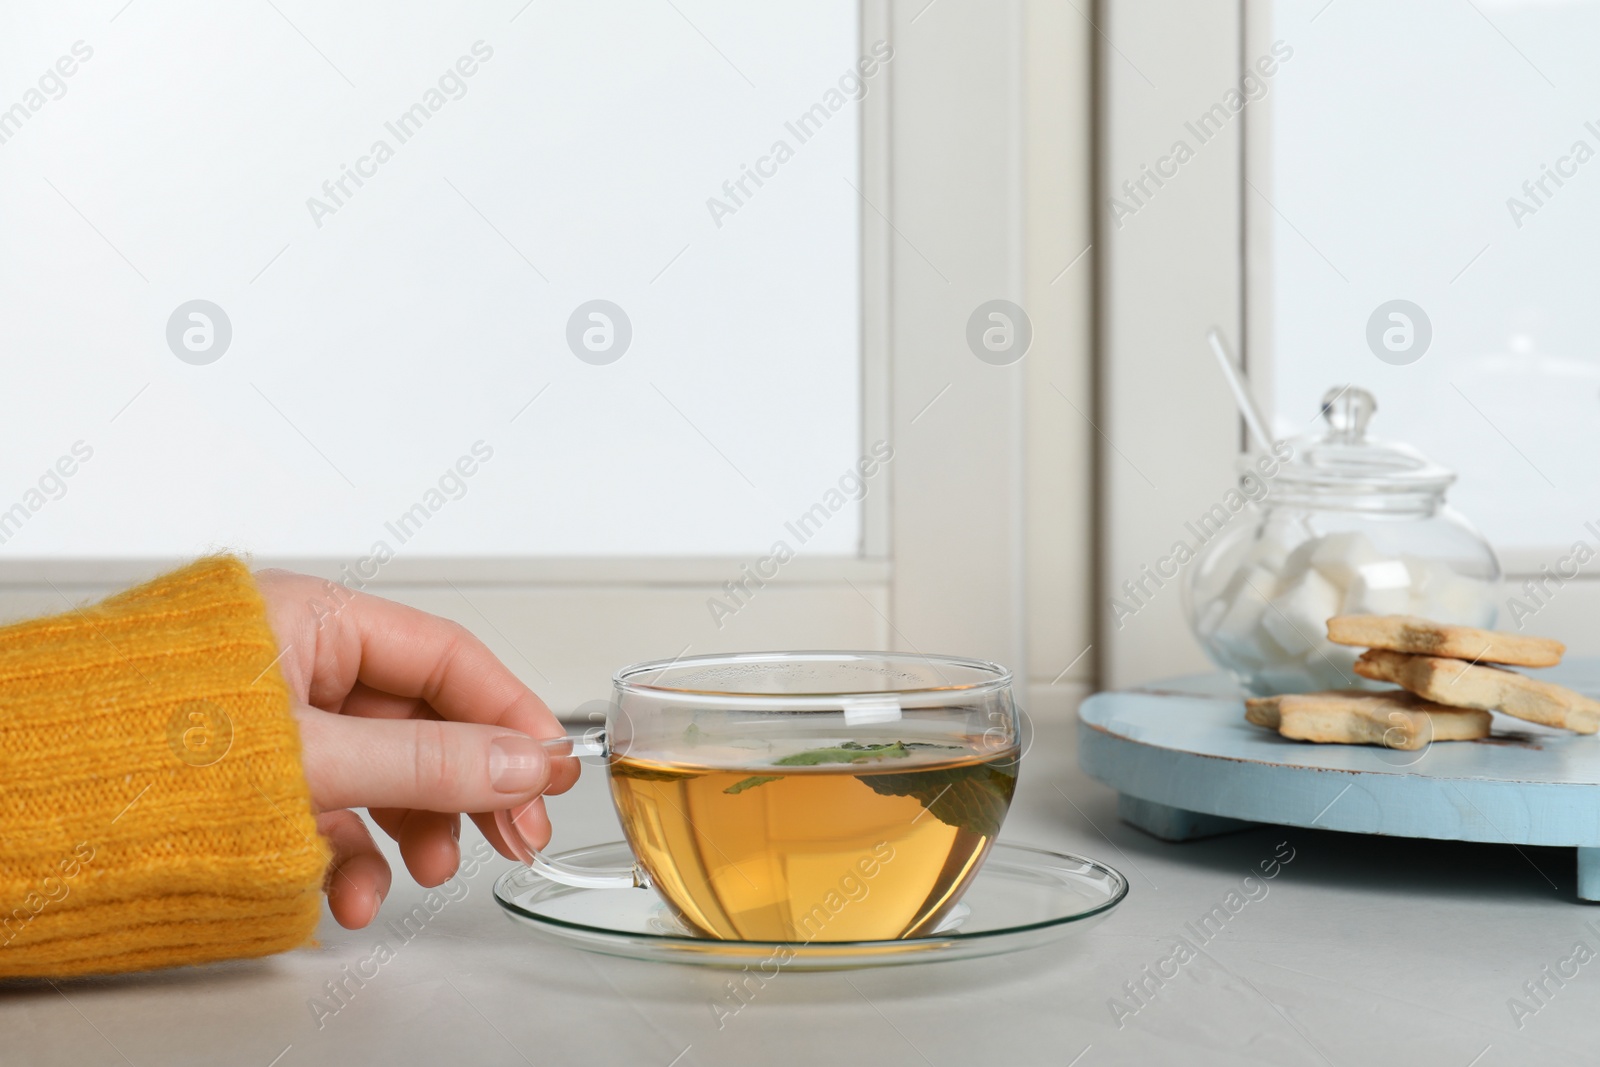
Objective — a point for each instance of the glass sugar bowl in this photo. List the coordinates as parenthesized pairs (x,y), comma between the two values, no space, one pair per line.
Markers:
(1348,525)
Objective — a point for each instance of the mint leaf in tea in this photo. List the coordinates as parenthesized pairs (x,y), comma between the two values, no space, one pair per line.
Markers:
(850,840)
(974,799)
(753,781)
(849,752)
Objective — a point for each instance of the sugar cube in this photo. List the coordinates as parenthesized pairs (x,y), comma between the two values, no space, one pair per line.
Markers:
(1338,557)
(1382,588)
(1298,616)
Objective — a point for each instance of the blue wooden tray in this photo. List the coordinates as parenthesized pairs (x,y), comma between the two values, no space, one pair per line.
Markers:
(1186,764)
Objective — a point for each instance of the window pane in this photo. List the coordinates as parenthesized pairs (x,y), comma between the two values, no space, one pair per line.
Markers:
(1411,149)
(399,211)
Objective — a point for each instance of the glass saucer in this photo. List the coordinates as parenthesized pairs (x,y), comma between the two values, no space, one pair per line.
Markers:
(1021,898)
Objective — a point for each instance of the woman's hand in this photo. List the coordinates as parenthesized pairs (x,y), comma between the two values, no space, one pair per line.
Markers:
(411,717)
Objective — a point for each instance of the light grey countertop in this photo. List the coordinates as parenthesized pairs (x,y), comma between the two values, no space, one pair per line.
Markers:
(1362,950)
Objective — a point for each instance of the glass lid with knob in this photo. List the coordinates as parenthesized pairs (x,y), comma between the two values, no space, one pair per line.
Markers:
(1344,466)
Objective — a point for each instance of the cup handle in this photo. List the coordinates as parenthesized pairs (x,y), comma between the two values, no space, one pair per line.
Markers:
(590,743)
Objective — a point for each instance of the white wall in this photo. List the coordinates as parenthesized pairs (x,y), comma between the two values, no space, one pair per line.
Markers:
(1060,384)
(1170,273)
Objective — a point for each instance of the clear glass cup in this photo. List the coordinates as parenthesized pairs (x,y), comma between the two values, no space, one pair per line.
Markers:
(802,796)
(1342,524)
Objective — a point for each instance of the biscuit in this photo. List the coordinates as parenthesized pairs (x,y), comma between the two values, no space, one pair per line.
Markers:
(1408,633)
(1357,717)
(1467,685)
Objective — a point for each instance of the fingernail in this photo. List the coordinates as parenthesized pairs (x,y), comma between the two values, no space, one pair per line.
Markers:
(528,825)
(512,833)
(516,764)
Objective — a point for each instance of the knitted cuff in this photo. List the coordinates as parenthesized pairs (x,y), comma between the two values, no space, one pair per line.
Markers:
(153,810)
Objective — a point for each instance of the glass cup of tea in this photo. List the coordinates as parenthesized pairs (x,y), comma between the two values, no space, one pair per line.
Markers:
(802,796)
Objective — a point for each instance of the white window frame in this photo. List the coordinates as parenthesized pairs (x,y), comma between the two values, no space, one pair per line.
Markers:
(940,563)
(1194,256)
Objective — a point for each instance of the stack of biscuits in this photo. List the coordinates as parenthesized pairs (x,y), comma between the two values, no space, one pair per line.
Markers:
(1450,679)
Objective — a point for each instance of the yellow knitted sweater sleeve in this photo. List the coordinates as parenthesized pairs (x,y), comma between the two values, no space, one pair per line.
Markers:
(153,810)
